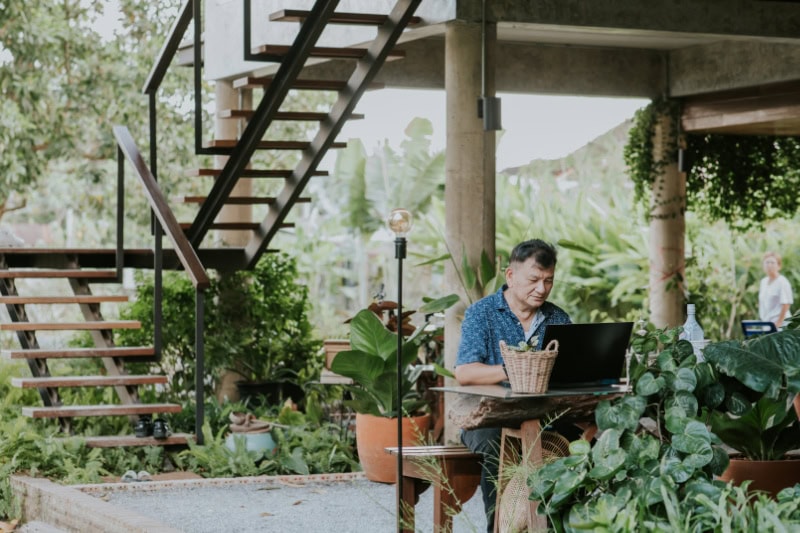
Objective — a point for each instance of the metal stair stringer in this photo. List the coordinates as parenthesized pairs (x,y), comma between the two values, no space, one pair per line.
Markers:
(364,73)
(274,96)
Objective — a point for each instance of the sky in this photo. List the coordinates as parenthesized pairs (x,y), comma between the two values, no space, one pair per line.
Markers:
(535,126)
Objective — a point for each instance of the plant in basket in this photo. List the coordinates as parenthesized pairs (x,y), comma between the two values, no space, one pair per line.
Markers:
(529,370)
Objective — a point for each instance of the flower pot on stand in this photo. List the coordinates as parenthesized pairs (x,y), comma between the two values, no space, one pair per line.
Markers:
(374,434)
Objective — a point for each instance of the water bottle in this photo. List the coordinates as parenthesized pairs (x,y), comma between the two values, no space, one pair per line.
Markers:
(693,333)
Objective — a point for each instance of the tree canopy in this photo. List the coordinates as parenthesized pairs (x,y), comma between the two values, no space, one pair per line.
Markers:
(69,70)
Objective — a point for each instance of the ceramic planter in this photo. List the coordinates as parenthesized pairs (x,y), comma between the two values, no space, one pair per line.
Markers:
(374,434)
(769,476)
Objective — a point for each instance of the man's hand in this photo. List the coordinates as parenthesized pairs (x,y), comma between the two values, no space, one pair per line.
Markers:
(480,374)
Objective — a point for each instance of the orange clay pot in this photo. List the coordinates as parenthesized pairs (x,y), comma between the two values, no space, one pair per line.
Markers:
(375,433)
(769,476)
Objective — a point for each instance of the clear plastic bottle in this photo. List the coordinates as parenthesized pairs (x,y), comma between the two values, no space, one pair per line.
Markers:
(692,331)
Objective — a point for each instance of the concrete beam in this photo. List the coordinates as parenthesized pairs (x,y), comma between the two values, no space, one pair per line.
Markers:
(528,68)
(732,65)
(746,18)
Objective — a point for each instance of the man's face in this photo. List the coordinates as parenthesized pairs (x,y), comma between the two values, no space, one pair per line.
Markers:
(529,283)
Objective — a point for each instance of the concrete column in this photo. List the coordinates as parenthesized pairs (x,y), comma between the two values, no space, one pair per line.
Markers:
(226,97)
(469,168)
(667,234)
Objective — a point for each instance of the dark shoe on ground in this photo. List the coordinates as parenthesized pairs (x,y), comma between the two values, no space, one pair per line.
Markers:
(161,429)
(143,427)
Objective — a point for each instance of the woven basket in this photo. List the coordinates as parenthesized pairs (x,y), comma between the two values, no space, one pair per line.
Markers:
(529,372)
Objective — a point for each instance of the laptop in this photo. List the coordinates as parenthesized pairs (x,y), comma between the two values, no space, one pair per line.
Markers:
(589,355)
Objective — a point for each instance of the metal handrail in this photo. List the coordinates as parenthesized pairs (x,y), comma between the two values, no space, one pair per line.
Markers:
(169,49)
(158,202)
(186,254)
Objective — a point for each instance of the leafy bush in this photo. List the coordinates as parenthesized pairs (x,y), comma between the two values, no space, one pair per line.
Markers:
(303,447)
(256,324)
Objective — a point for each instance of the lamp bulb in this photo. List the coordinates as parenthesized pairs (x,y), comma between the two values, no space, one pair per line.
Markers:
(400,221)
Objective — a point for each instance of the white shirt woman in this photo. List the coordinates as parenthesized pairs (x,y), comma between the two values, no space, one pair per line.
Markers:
(775,292)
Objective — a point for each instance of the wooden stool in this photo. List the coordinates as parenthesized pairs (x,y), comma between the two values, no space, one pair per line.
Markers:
(455,473)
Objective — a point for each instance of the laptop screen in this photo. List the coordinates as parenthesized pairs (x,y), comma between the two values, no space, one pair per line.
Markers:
(588,354)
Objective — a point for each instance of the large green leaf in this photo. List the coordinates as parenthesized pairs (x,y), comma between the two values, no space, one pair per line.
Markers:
(440,304)
(758,432)
(368,334)
(784,348)
(761,371)
(361,367)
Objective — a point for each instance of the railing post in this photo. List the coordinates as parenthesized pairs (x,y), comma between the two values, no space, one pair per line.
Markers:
(120,254)
(198,76)
(153,148)
(199,366)
(158,286)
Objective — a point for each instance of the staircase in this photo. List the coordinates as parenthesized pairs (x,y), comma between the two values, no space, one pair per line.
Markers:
(81,269)
(62,266)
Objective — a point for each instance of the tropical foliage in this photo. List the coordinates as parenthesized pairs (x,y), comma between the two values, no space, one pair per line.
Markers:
(256,323)
(654,466)
(743,180)
(372,365)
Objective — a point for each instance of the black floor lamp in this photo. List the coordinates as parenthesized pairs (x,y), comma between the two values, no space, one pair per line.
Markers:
(400,224)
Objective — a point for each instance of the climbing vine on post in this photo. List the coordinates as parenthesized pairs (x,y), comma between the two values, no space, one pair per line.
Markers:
(643,167)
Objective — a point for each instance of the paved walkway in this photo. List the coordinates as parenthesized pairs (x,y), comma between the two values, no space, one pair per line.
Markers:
(289,504)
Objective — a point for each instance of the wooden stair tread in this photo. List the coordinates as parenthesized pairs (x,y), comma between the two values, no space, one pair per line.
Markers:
(329,52)
(252,173)
(260,82)
(242,200)
(59,326)
(284,115)
(57,273)
(120,441)
(369,19)
(270,145)
(69,353)
(69,411)
(87,381)
(78,299)
(236,225)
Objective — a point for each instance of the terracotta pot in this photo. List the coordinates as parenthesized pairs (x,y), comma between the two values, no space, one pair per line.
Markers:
(769,476)
(374,434)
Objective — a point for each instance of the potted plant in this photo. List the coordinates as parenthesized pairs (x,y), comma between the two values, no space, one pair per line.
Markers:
(259,329)
(371,363)
(761,378)
(653,444)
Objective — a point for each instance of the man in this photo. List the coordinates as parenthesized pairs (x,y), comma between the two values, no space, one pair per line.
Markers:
(518,312)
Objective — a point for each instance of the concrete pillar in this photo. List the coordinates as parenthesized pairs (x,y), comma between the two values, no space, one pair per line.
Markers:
(469,169)
(667,234)
(226,97)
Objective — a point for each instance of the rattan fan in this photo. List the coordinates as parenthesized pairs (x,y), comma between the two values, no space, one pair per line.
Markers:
(513,515)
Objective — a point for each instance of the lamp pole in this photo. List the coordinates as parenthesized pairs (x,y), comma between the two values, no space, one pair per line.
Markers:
(400,224)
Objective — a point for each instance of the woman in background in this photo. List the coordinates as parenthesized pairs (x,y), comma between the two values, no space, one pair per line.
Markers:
(774,293)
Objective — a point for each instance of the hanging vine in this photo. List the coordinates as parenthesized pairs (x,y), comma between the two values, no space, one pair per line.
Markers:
(744,180)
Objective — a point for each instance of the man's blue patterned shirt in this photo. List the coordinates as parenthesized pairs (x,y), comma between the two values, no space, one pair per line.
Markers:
(490,320)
